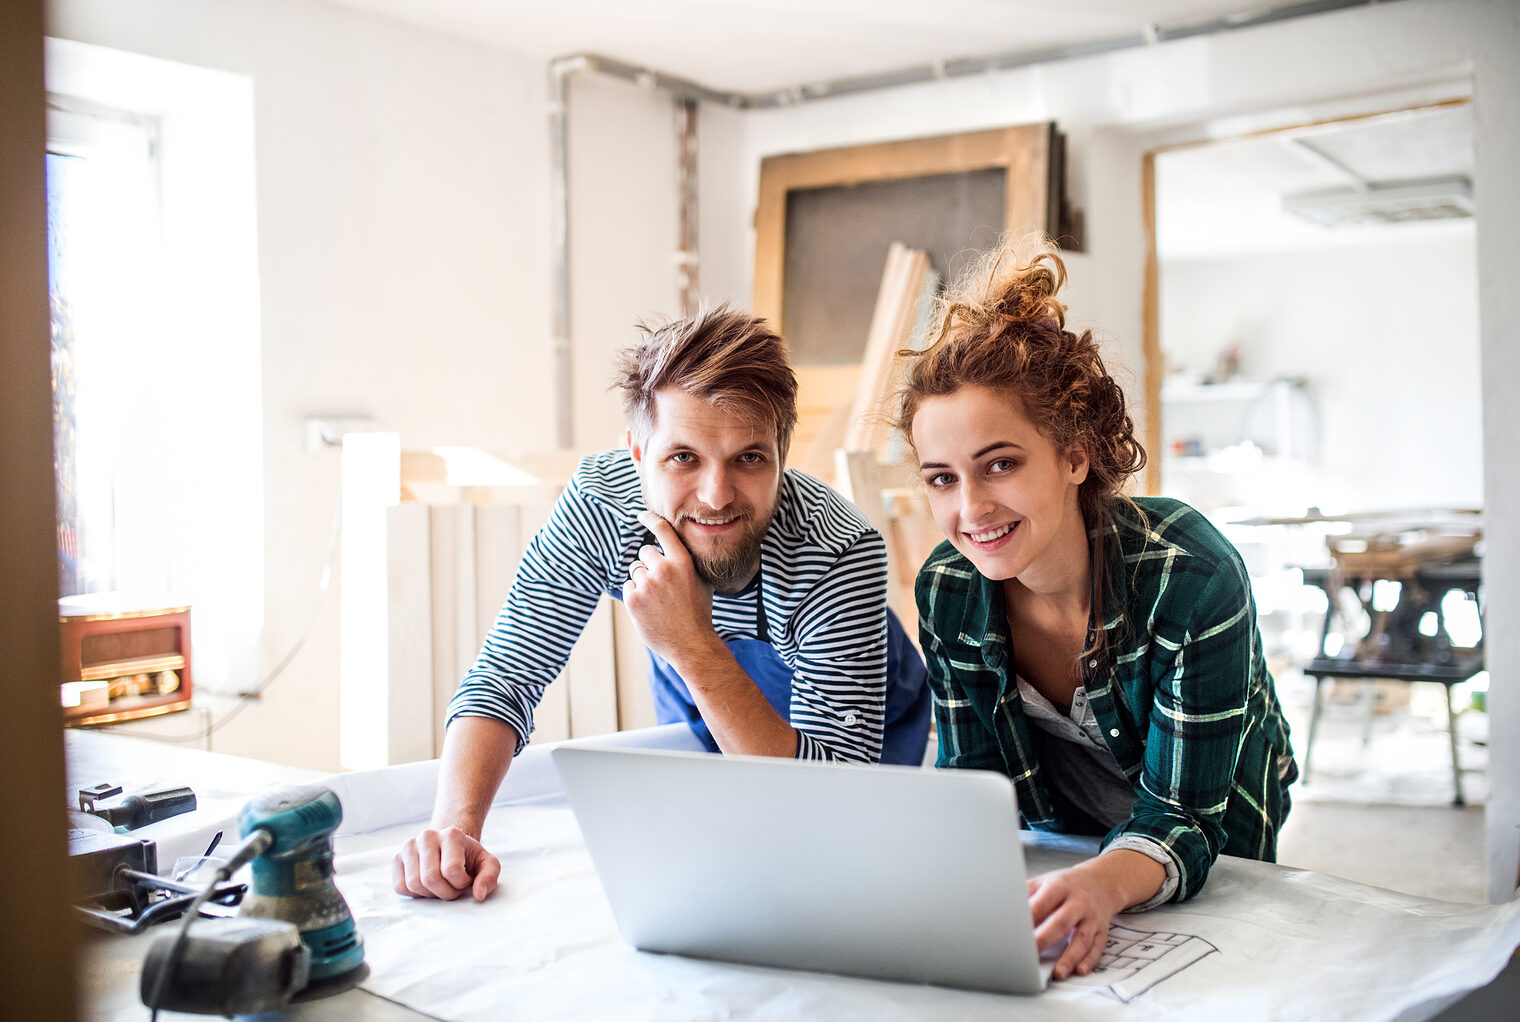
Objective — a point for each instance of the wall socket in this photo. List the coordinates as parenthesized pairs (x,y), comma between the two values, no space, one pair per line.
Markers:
(324,431)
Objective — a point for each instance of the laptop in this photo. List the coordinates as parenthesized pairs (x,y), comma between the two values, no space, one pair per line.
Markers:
(886,872)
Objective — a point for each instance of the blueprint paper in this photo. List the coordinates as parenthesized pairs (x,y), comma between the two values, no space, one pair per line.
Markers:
(1260,942)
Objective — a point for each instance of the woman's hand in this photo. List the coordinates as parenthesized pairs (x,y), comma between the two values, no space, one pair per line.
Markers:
(1081,901)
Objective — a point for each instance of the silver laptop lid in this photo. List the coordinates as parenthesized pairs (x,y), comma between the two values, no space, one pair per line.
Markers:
(881,871)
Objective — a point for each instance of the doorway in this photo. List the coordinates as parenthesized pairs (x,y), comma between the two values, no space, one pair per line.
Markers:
(1313,360)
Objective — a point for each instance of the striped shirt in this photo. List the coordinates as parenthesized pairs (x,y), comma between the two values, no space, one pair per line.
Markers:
(1181,691)
(823,585)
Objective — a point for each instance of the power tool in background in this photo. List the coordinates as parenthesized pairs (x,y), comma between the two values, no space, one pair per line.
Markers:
(295,936)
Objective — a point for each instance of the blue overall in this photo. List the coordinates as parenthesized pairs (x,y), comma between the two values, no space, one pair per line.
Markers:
(906,731)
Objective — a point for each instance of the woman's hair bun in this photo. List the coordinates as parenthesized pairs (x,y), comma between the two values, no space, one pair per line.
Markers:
(1023,291)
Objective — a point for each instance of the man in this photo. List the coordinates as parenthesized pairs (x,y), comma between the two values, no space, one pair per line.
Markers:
(759,592)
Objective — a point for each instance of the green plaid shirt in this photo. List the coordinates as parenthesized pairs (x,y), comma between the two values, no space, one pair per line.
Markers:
(1181,690)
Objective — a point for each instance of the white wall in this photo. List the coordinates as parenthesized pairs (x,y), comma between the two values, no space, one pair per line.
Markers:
(402,228)
(623,230)
(1116,107)
(1387,337)
(622,233)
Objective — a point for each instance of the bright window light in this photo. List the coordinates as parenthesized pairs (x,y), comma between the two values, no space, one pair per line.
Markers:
(1462,621)
(1385,594)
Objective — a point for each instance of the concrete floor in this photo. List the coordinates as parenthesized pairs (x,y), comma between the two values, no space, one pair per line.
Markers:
(1430,851)
(1381,813)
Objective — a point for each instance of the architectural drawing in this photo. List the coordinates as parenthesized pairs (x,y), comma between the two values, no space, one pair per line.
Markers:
(1136,960)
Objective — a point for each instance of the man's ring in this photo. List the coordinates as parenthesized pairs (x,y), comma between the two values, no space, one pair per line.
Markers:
(636,566)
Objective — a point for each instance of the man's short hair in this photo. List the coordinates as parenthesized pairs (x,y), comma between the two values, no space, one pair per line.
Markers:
(724,356)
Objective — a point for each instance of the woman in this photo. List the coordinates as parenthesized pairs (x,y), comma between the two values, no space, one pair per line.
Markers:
(1101,651)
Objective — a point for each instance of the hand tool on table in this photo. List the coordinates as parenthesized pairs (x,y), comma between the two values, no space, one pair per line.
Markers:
(116,884)
(136,810)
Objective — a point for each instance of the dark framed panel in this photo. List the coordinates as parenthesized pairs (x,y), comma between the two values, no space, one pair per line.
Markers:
(824,218)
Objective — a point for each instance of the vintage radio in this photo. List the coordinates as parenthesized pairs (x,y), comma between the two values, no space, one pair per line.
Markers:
(123,658)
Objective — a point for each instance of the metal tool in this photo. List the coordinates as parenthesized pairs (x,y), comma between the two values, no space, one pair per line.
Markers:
(137,810)
(117,886)
(299,935)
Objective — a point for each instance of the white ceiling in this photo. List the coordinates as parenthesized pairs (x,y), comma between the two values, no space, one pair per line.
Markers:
(763,45)
(1226,197)
(1214,199)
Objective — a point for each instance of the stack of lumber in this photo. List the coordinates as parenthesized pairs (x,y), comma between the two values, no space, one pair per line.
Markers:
(850,407)
(855,446)
(907,293)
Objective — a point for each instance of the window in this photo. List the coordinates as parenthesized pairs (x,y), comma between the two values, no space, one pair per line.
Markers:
(154,263)
(103,274)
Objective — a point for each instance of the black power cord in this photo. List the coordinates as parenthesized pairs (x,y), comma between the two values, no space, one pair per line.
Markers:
(252,847)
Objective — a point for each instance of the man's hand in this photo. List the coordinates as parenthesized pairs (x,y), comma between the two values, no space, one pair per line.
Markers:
(444,864)
(670,604)
(1082,901)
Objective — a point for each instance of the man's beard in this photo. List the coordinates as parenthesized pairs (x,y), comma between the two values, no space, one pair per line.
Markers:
(731,568)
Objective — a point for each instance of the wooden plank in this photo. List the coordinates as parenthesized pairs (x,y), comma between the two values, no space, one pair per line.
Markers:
(886,319)
(823,412)
(423,467)
(860,482)
(1027,205)
(635,702)
(452,543)
(39,930)
(897,313)
(770,247)
(498,549)
(916,157)
(593,676)
(915,534)
(408,635)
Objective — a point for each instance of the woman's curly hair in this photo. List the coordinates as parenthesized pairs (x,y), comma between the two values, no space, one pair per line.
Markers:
(1002,327)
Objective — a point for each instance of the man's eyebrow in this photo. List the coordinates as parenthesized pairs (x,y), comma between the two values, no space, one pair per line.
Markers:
(763,446)
(981,453)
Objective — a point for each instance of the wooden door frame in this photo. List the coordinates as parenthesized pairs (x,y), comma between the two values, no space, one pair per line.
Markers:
(1023,152)
(40,935)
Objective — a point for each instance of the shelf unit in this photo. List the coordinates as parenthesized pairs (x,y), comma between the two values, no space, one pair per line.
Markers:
(1250,395)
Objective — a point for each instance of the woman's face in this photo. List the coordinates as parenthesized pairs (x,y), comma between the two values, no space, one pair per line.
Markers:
(1002,493)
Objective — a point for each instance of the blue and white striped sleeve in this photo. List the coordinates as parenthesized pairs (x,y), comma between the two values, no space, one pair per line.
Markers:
(839,677)
(557,586)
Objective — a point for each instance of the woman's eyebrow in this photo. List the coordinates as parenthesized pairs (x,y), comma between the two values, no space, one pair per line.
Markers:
(979,454)
(994,446)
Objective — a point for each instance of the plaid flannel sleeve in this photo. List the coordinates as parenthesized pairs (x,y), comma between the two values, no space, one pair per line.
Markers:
(964,741)
(1197,724)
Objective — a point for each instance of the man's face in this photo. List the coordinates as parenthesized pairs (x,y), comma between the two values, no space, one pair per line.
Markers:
(716,476)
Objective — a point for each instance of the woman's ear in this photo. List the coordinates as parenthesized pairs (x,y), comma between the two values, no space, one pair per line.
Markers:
(1076,457)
